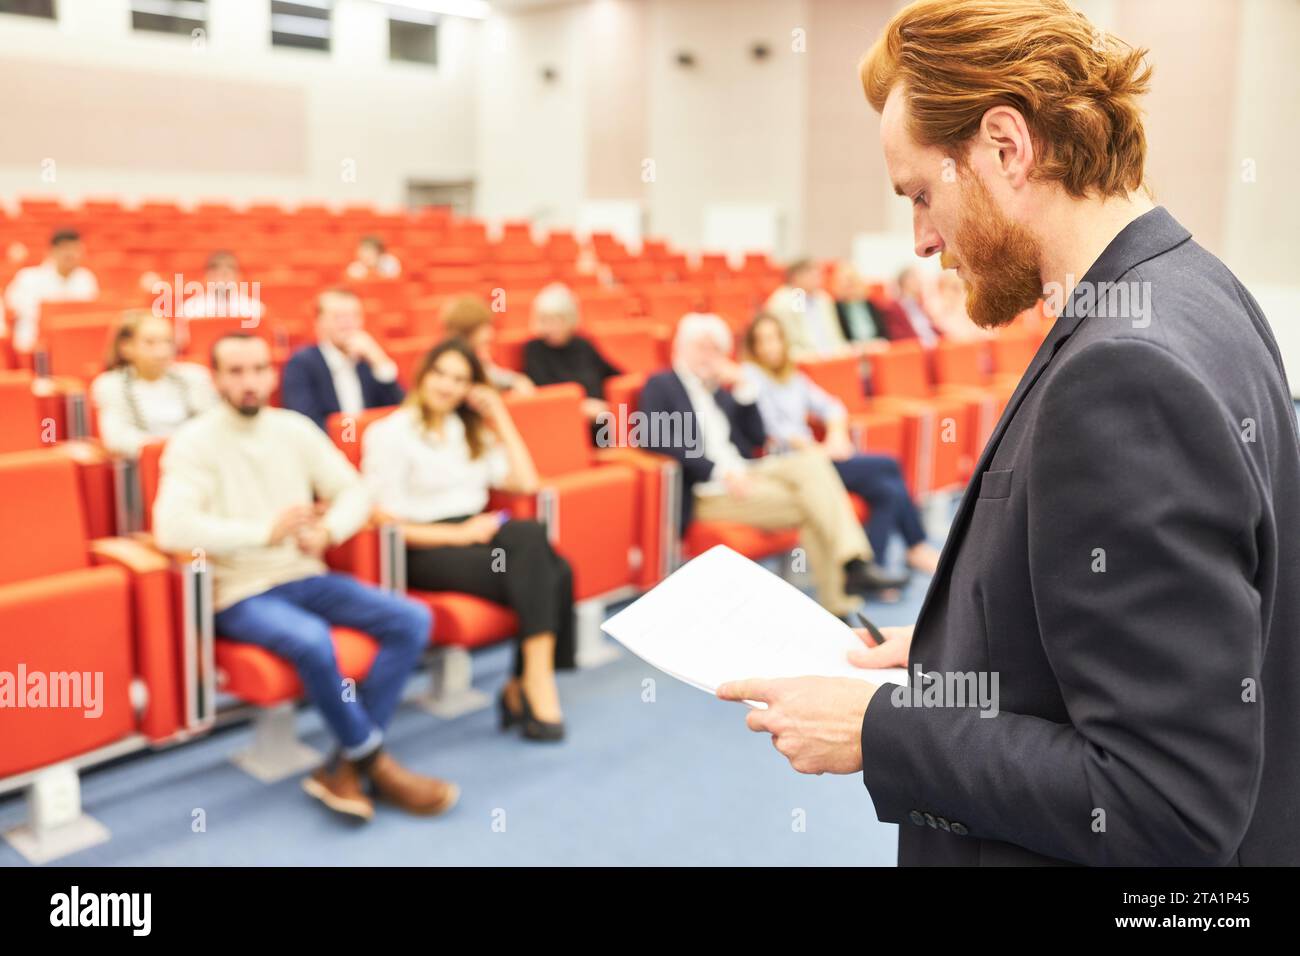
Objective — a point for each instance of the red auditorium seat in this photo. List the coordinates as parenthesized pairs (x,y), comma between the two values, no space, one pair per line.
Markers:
(632,346)
(957,419)
(599,504)
(69,604)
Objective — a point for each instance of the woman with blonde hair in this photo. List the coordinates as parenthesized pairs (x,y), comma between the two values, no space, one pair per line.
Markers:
(469,317)
(145,393)
(787,398)
(430,465)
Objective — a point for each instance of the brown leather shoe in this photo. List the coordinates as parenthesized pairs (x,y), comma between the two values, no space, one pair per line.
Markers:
(341,789)
(412,792)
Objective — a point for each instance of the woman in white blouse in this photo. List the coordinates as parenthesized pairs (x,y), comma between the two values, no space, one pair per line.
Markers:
(146,394)
(430,465)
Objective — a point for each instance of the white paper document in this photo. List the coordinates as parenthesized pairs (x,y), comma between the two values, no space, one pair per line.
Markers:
(721,617)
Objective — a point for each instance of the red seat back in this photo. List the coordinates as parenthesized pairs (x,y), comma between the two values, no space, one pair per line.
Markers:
(553,427)
(840,377)
(20,412)
(42,516)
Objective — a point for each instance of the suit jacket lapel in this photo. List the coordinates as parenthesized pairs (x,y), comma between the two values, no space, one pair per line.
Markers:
(1149,235)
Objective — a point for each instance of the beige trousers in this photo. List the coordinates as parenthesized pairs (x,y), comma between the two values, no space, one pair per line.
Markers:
(800,489)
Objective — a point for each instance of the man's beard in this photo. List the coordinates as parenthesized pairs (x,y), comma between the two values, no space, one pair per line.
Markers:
(248,411)
(999,258)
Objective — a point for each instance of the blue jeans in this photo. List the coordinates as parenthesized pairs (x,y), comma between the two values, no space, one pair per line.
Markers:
(878,479)
(292,621)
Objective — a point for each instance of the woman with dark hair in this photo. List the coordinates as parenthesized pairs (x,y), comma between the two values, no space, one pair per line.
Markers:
(430,464)
(787,398)
(146,393)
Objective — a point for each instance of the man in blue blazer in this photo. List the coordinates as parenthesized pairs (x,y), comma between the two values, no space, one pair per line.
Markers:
(1106,667)
(704,414)
(346,370)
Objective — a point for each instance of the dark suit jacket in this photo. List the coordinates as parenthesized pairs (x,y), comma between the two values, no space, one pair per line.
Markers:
(846,325)
(1149,706)
(309,388)
(665,393)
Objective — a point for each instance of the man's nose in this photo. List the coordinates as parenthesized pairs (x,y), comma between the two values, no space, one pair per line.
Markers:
(928,240)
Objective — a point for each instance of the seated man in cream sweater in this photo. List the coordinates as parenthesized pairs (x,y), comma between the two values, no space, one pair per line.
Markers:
(260,493)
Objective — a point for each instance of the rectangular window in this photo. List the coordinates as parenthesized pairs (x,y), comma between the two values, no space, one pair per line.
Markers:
(304,24)
(181,17)
(29,8)
(412,35)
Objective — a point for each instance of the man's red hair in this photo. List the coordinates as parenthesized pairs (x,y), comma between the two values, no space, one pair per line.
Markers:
(1076,86)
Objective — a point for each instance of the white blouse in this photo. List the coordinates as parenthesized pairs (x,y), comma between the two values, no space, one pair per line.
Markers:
(419,476)
(131,411)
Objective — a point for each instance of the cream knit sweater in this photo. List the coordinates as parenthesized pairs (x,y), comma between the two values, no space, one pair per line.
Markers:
(225,480)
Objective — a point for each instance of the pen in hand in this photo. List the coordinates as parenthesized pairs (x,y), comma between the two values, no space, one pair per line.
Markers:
(874,631)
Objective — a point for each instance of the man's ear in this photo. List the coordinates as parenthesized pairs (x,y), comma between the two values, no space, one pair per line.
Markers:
(1004,139)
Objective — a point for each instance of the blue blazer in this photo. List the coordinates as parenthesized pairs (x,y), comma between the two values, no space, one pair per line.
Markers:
(309,388)
(664,392)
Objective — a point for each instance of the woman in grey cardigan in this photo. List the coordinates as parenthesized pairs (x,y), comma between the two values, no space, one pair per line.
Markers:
(787,398)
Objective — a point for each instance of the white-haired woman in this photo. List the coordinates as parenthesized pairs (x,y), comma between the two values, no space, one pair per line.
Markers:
(559,354)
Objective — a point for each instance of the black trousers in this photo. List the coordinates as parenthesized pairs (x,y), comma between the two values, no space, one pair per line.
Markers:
(517,568)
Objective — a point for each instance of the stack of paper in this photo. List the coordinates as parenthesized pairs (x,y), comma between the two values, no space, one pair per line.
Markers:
(721,617)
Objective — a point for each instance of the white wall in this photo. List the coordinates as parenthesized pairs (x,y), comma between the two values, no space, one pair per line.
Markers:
(532,134)
(391,121)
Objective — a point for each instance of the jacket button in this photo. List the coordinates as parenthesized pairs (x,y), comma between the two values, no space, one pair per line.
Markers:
(916,817)
(959,829)
(931,821)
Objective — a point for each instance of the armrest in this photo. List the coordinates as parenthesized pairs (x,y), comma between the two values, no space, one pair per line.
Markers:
(660,489)
(135,555)
(358,555)
(158,653)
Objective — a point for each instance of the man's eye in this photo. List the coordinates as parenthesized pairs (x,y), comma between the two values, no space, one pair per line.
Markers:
(918,199)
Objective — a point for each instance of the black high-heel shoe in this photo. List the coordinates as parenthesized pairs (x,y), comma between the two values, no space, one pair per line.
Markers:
(535,729)
(507,717)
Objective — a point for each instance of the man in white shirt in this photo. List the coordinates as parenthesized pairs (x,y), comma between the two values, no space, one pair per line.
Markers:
(60,278)
(225,295)
(807,313)
(723,480)
(262,494)
(346,370)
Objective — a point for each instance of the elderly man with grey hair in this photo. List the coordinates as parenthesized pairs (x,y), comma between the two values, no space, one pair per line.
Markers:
(725,480)
(558,354)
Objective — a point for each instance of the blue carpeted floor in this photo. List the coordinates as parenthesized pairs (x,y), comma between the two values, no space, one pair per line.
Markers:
(679,780)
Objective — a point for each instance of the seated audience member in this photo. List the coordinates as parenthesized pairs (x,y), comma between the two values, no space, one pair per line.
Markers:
(264,493)
(945,304)
(905,318)
(146,394)
(787,398)
(723,481)
(430,465)
(559,354)
(373,261)
(346,370)
(856,321)
(60,278)
(224,296)
(470,318)
(807,313)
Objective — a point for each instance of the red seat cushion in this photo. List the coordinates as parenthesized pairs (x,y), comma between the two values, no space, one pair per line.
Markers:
(256,676)
(463,620)
(752,542)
